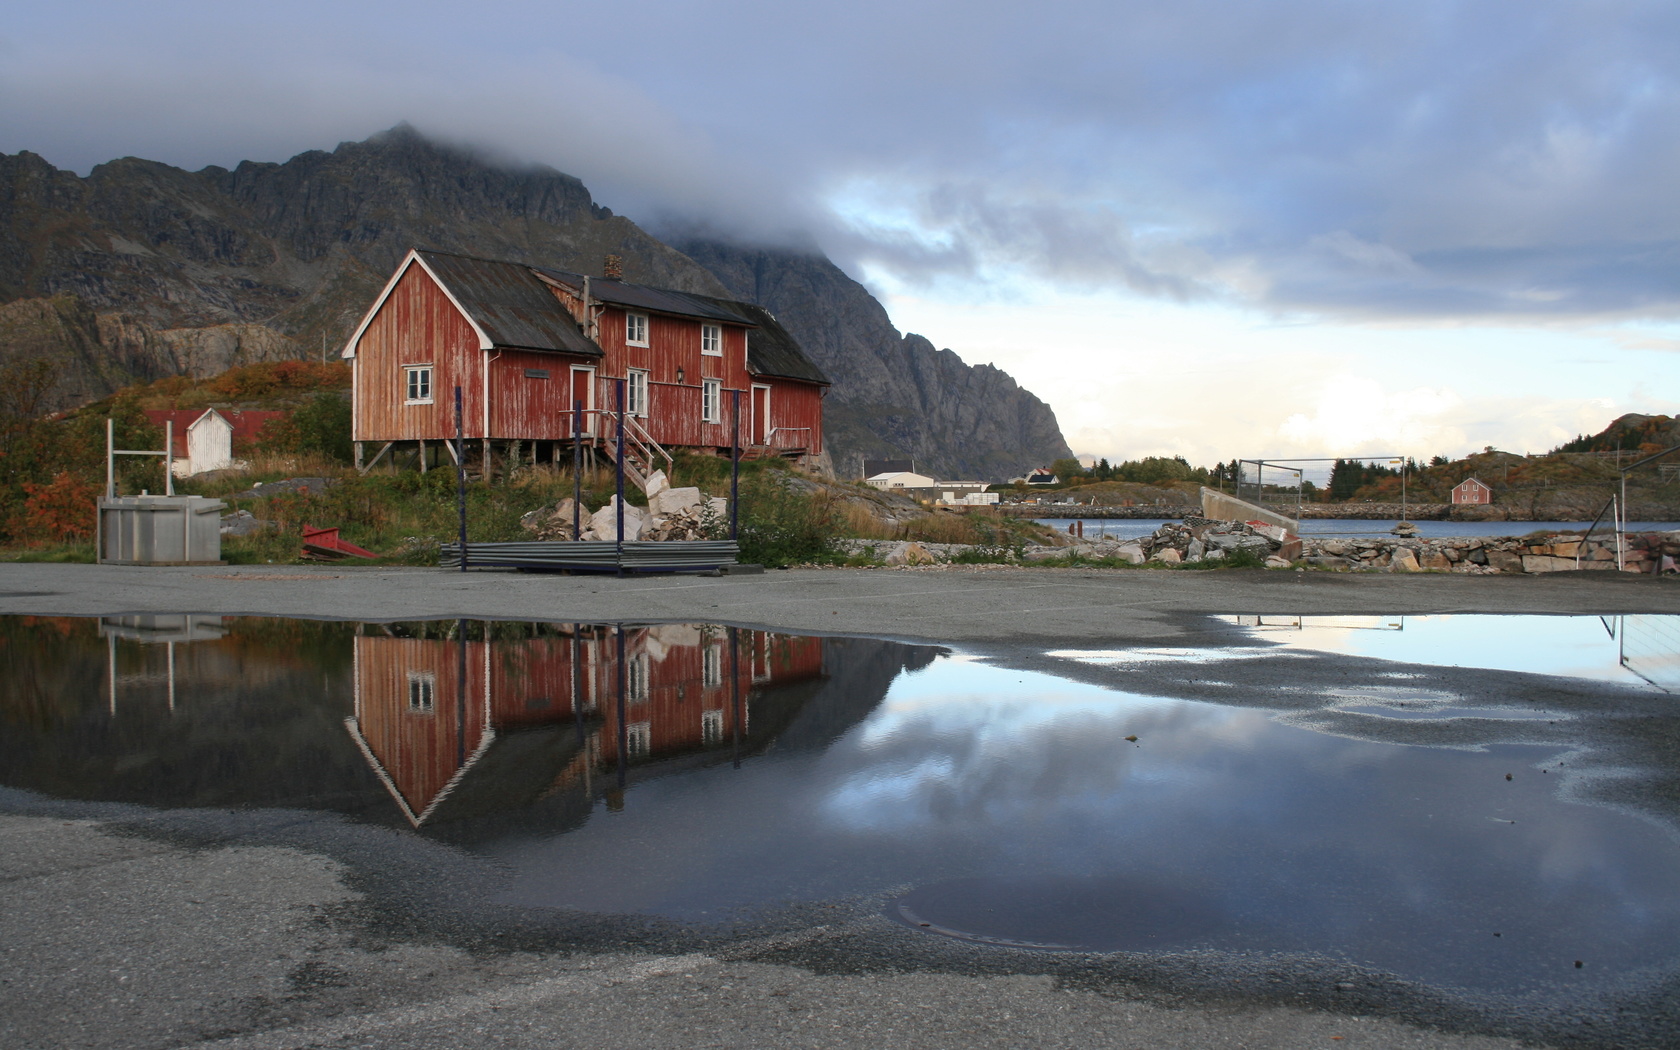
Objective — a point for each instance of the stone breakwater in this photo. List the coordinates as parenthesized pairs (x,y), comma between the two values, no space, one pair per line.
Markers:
(1561,552)
(1199,540)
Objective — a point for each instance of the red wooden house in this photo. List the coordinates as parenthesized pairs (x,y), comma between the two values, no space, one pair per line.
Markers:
(1472,490)
(545,357)
(429,715)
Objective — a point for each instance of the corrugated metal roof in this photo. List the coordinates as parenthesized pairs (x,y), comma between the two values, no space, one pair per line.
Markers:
(642,297)
(509,303)
(771,351)
(517,310)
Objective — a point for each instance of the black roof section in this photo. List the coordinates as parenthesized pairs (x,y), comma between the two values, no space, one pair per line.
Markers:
(506,300)
(641,297)
(772,351)
(517,310)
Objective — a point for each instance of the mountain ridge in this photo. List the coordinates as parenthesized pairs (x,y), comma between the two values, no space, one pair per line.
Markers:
(197,271)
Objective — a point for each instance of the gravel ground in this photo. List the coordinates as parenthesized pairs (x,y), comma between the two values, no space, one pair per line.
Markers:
(127,927)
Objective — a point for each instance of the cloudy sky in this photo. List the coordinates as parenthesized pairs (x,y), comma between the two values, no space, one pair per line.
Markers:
(1302,227)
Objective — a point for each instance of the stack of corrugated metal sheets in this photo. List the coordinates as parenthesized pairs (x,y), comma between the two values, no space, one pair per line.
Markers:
(596,556)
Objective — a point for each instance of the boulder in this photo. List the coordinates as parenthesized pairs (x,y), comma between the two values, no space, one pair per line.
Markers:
(911,554)
(675,501)
(1504,561)
(243,523)
(604,522)
(1130,552)
(1435,560)
(1169,556)
(1195,551)
(1547,563)
(657,482)
(1275,562)
(1402,560)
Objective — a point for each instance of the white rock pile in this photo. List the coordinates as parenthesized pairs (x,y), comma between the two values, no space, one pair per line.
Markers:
(671,514)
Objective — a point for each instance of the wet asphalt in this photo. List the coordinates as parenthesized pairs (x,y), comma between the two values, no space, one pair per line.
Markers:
(122,926)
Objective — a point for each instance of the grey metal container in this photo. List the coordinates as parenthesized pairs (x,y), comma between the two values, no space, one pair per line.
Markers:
(160,530)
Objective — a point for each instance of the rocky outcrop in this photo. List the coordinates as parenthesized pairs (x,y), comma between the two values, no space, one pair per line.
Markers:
(894,395)
(187,270)
(52,356)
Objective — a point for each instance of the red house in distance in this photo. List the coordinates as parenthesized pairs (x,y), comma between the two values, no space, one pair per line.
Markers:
(1472,490)
(544,358)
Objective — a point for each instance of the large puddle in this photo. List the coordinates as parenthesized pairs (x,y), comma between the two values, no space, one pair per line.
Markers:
(1479,803)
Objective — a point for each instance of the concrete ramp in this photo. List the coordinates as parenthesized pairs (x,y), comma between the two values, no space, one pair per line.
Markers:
(1221,506)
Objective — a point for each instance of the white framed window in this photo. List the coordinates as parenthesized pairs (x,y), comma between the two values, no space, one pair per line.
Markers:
(417,384)
(636,678)
(636,392)
(711,727)
(638,739)
(711,665)
(711,401)
(636,329)
(711,340)
(422,692)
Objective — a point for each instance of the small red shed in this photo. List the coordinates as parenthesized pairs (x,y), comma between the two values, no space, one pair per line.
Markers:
(546,358)
(1472,490)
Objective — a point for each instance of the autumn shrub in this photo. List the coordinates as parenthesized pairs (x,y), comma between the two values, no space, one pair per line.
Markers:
(267,379)
(62,509)
(319,426)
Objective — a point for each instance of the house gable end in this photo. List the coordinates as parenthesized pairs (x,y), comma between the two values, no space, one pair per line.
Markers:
(412,259)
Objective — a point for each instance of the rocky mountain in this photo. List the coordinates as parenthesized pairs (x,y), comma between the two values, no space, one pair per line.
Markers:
(894,395)
(142,270)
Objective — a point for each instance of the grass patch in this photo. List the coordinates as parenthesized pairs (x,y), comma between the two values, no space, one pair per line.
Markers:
(67,553)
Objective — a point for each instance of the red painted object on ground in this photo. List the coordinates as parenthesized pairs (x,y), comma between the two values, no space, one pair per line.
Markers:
(324,543)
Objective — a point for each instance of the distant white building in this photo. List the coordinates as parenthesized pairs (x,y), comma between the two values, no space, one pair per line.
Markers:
(903,479)
(969,499)
(1038,476)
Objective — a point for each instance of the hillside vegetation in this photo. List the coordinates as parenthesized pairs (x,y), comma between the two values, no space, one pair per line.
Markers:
(52,470)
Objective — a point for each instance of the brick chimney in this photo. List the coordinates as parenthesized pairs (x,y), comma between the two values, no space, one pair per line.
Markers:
(613,268)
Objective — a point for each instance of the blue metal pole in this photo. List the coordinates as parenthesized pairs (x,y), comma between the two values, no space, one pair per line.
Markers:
(735,467)
(577,468)
(622,383)
(461,477)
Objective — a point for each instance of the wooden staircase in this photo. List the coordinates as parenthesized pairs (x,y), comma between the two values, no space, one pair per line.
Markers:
(642,454)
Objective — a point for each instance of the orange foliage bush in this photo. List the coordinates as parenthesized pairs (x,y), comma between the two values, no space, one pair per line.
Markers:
(62,509)
(268,378)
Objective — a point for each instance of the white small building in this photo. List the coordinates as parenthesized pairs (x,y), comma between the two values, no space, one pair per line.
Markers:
(209,443)
(969,499)
(903,479)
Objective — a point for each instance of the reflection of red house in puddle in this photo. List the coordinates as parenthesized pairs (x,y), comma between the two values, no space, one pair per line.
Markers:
(429,710)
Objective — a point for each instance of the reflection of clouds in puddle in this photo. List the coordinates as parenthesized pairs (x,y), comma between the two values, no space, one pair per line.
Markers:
(1566,646)
(942,757)
(1119,657)
(1583,647)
